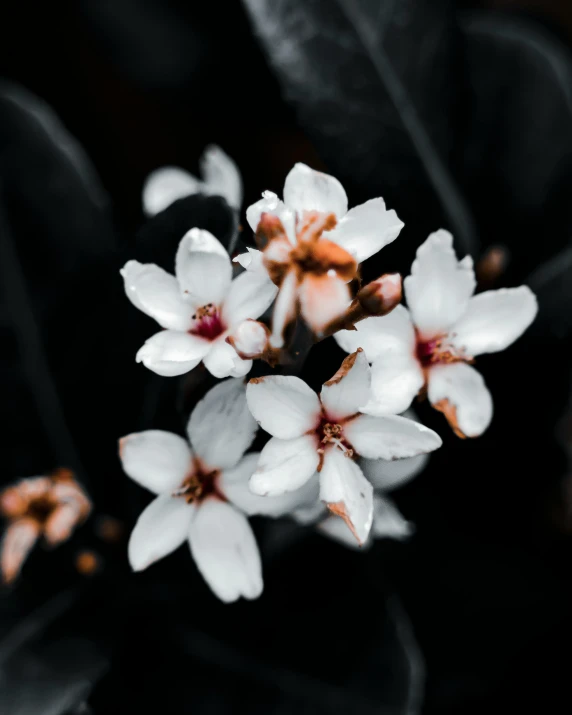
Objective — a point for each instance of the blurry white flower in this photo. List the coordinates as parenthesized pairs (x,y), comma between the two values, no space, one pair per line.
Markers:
(52,506)
(203,493)
(433,343)
(220,177)
(198,308)
(312,245)
(323,434)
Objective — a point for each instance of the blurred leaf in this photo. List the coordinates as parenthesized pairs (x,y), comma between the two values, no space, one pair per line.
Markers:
(517,150)
(373,84)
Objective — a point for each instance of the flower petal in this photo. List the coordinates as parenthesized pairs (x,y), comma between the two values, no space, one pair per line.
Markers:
(270,203)
(203,268)
(222,360)
(459,391)
(284,309)
(348,389)
(170,353)
(376,335)
(390,437)
(155,459)
(308,190)
(439,287)
(221,176)
(17,542)
(249,296)
(335,528)
(494,320)
(162,527)
(347,492)
(366,229)
(234,484)
(388,521)
(309,514)
(396,378)
(387,475)
(157,294)
(285,465)
(283,405)
(251,261)
(323,299)
(165,185)
(221,427)
(225,551)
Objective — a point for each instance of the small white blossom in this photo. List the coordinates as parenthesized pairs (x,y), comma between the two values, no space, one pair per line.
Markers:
(198,308)
(203,495)
(312,245)
(324,434)
(220,177)
(433,343)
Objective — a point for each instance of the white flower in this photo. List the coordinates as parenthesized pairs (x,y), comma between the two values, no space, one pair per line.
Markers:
(221,177)
(323,434)
(433,343)
(388,522)
(203,493)
(198,308)
(312,245)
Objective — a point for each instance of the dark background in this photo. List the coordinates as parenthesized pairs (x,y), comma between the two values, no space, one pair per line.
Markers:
(473,614)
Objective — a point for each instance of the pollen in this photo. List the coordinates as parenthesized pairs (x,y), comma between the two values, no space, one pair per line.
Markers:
(207,322)
(332,433)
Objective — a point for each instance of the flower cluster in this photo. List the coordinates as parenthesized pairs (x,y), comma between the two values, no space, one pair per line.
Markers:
(331,457)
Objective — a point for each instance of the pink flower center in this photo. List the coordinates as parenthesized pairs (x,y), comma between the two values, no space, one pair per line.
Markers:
(330,432)
(200,483)
(207,322)
(438,352)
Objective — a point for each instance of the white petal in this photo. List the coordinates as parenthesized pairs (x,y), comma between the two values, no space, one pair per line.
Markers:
(203,268)
(388,521)
(252,261)
(394,331)
(322,300)
(162,527)
(348,389)
(157,460)
(156,293)
(283,405)
(222,360)
(270,203)
(390,437)
(249,296)
(459,391)
(285,465)
(366,229)
(309,190)
(225,551)
(234,484)
(387,475)
(170,353)
(221,176)
(221,427)
(310,513)
(284,308)
(396,378)
(494,320)
(439,287)
(164,186)
(347,492)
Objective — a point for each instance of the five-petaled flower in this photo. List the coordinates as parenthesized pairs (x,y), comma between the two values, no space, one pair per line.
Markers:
(325,434)
(203,493)
(312,245)
(198,308)
(52,506)
(432,345)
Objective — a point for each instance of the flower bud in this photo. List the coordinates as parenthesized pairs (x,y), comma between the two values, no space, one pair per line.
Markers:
(249,339)
(381,295)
